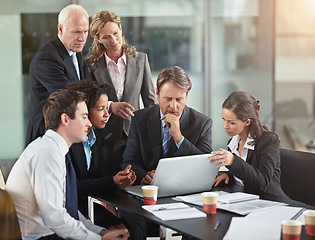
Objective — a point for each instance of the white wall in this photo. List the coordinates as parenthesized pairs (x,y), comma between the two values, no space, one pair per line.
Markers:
(11,85)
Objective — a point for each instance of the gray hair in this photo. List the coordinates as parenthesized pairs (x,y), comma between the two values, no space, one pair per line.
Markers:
(64,13)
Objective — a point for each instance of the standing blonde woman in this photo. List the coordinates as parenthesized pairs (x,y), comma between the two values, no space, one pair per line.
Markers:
(113,61)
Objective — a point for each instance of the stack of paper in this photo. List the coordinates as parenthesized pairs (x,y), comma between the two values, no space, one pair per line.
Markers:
(239,202)
(247,207)
(248,229)
(236,197)
(196,198)
(262,224)
(173,211)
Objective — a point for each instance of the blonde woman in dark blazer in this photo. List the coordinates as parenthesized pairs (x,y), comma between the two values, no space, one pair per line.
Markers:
(112,60)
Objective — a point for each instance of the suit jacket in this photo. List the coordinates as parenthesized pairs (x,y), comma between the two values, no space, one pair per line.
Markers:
(138,82)
(144,144)
(51,69)
(92,181)
(261,170)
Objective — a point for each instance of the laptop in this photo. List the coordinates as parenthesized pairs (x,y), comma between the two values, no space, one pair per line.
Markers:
(181,175)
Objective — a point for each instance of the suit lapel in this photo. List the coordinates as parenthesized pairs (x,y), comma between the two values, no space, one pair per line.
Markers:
(185,122)
(80,160)
(95,157)
(250,154)
(80,62)
(132,72)
(154,130)
(66,59)
(102,75)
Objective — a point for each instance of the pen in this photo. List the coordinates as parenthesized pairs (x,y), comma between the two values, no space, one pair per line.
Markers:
(217,225)
(136,197)
(299,213)
(165,208)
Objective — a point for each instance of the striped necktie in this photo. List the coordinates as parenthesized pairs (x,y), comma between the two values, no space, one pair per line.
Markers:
(166,140)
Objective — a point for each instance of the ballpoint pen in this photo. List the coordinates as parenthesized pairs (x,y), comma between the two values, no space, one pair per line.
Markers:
(170,208)
(136,197)
(217,225)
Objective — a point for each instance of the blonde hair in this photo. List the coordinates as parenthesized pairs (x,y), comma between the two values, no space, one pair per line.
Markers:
(97,49)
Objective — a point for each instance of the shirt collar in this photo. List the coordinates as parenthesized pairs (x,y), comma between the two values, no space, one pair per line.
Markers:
(233,145)
(68,50)
(59,140)
(90,138)
(123,58)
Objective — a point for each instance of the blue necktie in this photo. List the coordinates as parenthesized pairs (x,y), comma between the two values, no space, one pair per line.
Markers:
(71,189)
(166,140)
(75,63)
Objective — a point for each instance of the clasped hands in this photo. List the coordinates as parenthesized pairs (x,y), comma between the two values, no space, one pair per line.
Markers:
(148,178)
(125,178)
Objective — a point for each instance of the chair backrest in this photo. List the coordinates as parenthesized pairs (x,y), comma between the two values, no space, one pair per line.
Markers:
(9,223)
(6,166)
(298,175)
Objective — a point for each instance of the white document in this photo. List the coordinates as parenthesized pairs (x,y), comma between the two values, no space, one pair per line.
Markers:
(240,207)
(244,208)
(174,211)
(279,213)
(236,197)
(196,198)
(251,228)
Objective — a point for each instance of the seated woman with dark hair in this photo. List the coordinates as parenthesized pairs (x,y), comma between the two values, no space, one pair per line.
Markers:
(87,159)
(253,157)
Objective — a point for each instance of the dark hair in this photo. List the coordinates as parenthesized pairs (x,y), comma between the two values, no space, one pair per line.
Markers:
(91,89)
(245,106)
(59,102)
(175,75)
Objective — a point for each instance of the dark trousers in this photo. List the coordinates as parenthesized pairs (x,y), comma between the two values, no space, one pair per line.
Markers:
(104,218)
(51,237)
(113,155)
(139,228)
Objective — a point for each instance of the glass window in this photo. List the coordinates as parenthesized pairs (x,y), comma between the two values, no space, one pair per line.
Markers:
(295,82)
(241,57)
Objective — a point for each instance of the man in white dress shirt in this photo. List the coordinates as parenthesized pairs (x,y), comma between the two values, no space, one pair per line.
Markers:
(37,182)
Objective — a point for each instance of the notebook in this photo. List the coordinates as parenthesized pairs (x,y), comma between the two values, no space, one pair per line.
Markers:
(181,175)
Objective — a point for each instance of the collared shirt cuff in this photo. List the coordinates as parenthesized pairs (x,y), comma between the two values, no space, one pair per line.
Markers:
(108,107)
(180,143)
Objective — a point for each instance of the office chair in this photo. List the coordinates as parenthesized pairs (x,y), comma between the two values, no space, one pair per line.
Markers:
(9,227)
(6,166)
(298,175)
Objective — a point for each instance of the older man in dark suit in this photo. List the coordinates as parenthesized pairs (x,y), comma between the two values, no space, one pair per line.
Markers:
(56,64)
(168,130)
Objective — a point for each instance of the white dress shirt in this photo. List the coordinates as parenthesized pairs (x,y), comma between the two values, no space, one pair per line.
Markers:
(117,73)
(37,185)
(233,145)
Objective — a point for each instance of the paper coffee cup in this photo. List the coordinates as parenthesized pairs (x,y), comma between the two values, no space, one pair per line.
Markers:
(150,193)
(209,200)
(291,229)
(309,216)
